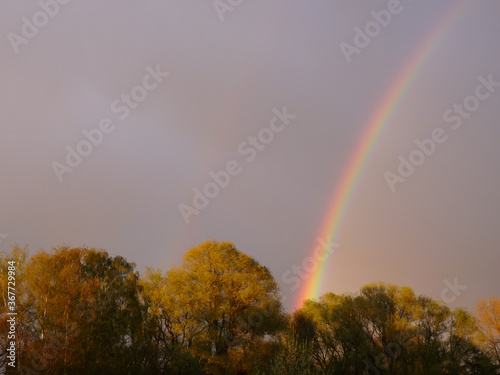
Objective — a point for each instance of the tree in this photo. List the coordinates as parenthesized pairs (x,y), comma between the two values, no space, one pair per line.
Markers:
(386,329)
(294,354)
(488,337)
(172,326)
(81,313)
(220,305)
(339,333)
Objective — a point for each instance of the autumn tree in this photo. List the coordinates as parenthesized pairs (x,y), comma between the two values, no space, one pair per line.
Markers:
(386,329)
(220,306)
(172,326)
(295,349)
(81,313)
(488,314)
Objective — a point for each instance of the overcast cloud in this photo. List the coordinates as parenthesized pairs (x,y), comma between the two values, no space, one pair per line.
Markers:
(226,77)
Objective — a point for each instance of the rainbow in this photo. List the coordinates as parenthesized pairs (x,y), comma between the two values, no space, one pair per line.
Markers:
(375,125)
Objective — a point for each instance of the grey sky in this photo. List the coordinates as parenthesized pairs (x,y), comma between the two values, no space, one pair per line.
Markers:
(226,77)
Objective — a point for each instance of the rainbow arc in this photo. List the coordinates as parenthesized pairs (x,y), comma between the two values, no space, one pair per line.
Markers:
(377,121)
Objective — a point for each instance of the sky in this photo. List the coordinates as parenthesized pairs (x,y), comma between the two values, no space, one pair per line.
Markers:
(273,99)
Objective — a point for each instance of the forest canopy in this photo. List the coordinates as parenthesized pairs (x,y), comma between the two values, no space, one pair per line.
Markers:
(82,311)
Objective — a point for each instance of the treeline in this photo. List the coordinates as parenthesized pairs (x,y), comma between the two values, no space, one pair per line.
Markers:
(81,311)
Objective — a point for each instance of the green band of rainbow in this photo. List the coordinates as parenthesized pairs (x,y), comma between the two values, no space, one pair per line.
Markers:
(375,125)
